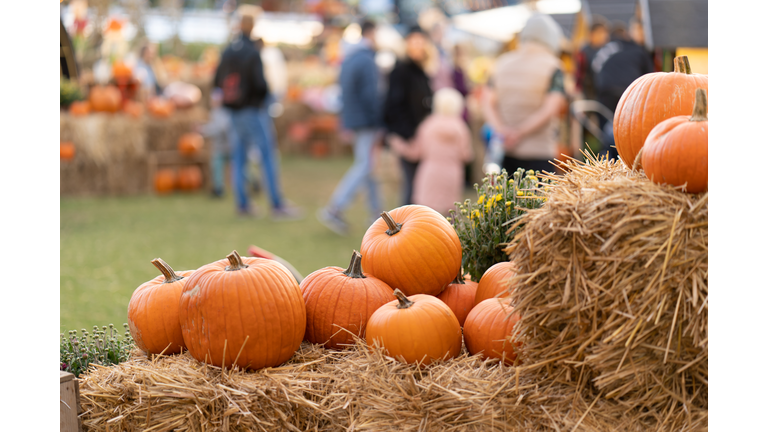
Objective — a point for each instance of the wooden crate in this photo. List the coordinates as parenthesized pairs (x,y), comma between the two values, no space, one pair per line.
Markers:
(69,403)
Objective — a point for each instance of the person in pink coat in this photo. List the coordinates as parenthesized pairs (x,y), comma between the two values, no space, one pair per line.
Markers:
(442,145)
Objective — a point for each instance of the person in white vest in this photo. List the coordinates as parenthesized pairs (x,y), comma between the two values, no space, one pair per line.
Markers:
(526,95)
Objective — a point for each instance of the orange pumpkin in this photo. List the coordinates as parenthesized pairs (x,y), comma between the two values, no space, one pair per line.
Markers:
(105,99)
(413,248)
(339,303)
(133,109)
(190,143)
(190,178)
(495,281)
(153,311)
(459,295)
(243,311)
(165,181)
(488,328)
(66,150)
(676,151)
(160,108)
(121,72)
(651,99)
(80,108)
(416,329)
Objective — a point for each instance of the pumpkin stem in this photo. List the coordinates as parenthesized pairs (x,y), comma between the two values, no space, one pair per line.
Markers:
(458,279)
(404,302)
(355,269)
(700,106)
(682,65)
(394,227)
(166,270)
(235,262)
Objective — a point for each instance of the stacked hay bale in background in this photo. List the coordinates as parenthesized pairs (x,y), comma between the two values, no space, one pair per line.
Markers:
(612,291)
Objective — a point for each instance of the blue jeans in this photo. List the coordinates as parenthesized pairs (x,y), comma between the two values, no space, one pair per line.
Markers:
(253,126)
(359,174)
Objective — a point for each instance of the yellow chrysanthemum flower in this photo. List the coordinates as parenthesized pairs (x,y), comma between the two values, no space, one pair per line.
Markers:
(481,199)
(520,193)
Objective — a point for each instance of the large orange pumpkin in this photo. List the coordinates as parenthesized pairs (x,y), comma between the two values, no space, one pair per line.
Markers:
(676,151)
(105,99)
(80,108)
(339,303)
(243,311)
(66,150)
(190,178)
(416,329)
(160,108)
(488,327)
(459,295)
(190,143)
(413,248)
(165,180)
(153,311)
(495,281)
(651,99)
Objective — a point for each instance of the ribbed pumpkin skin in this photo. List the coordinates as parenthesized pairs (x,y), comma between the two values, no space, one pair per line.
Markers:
(262,302)
(335,301)
(460,298)
(424,332)
(420,259)
(494,281)
(153,315)
(487,328)
(676,153)
(648,101)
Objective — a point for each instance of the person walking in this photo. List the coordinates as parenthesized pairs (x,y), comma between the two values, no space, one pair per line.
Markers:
(240,76)
(360,113)
(408,101)
(599,35)
(526,96)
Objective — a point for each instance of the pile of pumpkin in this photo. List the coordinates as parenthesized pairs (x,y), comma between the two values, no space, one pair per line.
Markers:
(411,300)
(186,178)
(109,99)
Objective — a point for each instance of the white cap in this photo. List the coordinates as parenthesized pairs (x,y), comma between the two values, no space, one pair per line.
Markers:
(543,29)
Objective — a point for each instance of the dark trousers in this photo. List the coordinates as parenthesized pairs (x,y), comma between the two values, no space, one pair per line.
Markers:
(511,164)
(409,172)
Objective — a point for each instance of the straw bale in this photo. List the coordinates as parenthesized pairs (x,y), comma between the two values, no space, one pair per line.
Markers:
(164,134)
(613,289)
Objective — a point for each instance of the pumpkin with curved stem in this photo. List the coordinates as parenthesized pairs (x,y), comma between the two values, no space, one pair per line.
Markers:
(190,178)
(66,150)
(676,151)
(459,295)
(413,248)
(651,99)
(190,143)
(242,311)
(339,303)
(495,281)
(488,329)
(80,108)
(415,329)
(165,181)
(153,311)
(105,99)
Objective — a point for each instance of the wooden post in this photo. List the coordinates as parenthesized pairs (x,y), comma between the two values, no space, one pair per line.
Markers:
(69,403)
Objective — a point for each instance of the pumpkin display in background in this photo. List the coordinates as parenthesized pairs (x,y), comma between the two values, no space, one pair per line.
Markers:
(153,311)
(488,328)
(80,108)
(105,99)
(459,295)
(413,248)
(415,329)
(190,178)
(133,109)
(339,303)
(190,143)
(121,72)
(243,311)
(495,281)
(165,181)
(651,99)
(160,108)
(66,151)
(676,151)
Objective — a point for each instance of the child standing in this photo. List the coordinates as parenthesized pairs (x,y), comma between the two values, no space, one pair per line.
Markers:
(443,145)
(217,129)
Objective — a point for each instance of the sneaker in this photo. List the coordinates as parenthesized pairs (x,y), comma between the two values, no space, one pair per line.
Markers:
(333,221)
(250,213)
(287,213)
(217,193)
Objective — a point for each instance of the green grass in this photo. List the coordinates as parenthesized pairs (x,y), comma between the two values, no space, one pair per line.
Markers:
(107,243)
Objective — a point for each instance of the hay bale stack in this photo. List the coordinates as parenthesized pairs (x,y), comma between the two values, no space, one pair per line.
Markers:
(613,289)
(163,133)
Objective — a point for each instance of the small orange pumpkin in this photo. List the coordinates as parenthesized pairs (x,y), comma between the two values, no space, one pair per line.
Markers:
(165,181)
(80,108)
(413,248)
(459,295)
(105,99)
(416,329)
(121,72)
(676,151)
(495,281)
(160,108)
(190,178)
(339,303)
(190,143)
(133,109)
(66,150)
(488,329)
(153,311)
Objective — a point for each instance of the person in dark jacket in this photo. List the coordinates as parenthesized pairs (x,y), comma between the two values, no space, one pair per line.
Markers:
(599,35)
(240,76)
(361,113)
(408,101)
